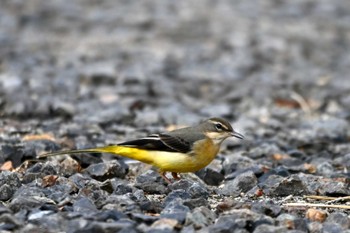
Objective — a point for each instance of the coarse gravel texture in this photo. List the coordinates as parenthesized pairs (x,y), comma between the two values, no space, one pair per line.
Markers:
(79,74)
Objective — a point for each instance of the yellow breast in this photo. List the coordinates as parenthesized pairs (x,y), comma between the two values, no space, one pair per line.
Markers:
(204,152)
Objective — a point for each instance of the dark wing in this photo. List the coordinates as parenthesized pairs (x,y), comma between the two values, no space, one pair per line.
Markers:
(176,143)
(161,142)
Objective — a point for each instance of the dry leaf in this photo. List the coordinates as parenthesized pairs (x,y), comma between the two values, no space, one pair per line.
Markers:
(279,157)
(32,137)
(316,215)
(7,166)
(49,180)
(310,167)
(287,103)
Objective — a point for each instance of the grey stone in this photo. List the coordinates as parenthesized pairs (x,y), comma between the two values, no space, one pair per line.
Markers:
(151,182)
(84,205)
(279,186)
(242,183)
(120,187)
(122,203)
(265,228)
(148,219)
(292,222)
(236,162)
(200,217)
(331,227)
(103,171)
(176,194)
(9,183)
(175,210)
(339,218)
(212,174)
(266,207)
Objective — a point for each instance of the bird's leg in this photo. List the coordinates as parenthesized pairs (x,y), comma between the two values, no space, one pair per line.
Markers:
(175,176)
(162,174)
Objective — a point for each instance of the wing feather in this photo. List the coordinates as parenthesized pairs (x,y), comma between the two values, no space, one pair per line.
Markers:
(161,142)
(176,143)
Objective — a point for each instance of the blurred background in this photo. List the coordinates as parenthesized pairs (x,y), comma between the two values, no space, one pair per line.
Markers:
(162,62)
(86,73)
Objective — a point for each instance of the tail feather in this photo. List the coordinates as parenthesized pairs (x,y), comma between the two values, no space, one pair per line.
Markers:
(129,152)
(93,150)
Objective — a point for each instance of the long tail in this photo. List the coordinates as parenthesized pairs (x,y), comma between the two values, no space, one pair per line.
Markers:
(129,152)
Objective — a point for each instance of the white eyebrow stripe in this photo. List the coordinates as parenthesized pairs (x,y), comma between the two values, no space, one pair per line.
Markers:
(218,122)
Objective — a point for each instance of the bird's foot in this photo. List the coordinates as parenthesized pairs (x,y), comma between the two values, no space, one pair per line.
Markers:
(163,175)
(174,175)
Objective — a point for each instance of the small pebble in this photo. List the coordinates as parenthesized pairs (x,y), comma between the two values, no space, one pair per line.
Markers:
(151,182)
(9,183)
(241,184)
(279,186)
(175,210)
(103,171)
(212,174)
(84,205)
(200,217)
(339,218)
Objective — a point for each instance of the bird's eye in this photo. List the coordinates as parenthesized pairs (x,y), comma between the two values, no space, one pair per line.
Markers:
(218,126)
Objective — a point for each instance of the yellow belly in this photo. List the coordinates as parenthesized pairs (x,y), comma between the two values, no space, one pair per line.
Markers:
(205,150)
(179,162)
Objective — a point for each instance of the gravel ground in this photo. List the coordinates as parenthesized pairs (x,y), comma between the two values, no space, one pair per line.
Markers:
(90,73)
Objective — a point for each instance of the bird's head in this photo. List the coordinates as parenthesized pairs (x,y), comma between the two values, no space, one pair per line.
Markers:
(219,129)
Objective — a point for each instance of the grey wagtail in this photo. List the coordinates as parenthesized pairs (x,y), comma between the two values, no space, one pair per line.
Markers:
(182,150)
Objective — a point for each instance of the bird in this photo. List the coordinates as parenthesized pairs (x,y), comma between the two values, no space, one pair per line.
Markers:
(182,150)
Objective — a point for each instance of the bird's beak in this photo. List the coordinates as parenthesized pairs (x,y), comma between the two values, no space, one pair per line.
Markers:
(237,135)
